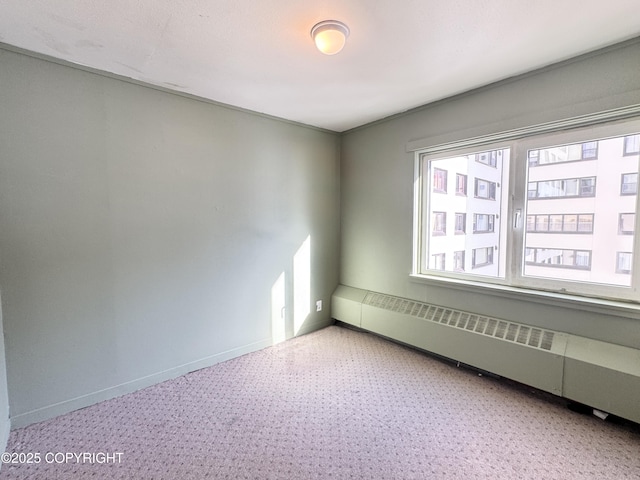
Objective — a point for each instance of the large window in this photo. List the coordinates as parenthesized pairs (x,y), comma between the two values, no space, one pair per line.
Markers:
(538,219)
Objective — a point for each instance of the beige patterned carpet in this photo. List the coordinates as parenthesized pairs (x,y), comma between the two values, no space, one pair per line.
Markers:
(335,404)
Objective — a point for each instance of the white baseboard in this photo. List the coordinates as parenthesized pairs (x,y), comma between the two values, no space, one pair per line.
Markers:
(50,411)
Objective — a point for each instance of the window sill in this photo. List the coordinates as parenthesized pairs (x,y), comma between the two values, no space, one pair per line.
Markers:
(588,304)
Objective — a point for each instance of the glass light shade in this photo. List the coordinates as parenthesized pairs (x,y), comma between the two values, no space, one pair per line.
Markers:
(330,36)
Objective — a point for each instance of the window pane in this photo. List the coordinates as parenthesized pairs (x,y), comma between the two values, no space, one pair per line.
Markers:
(531,223)
(627,223)
(631,144)
(485,189)
(583,242)
(484,208)
(555,223)
(585,223)
(574,152)
(570,223)
(558,258)
(629,184)
(565,153)
(589,150)
(461,220)
(623,262)
(458,261)
(483,223)
(439,223)
(439,180)
(482,257)
(461,184)
(488,158)
(587,187)
(437,261)
(542,223)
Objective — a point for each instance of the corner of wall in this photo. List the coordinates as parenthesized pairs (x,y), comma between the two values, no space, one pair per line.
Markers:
(5,421)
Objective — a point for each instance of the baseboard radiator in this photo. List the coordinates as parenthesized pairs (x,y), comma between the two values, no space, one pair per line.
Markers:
(601,375)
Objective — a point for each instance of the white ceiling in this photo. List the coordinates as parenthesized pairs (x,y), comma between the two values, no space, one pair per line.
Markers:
(258,54)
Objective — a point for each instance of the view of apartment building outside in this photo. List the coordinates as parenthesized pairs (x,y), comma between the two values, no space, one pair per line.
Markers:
(581,208)
(466,207)
(579,215)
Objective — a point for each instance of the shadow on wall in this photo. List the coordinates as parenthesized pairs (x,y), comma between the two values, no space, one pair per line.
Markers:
(301,296)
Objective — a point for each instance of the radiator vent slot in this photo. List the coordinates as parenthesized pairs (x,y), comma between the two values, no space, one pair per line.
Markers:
(492,327)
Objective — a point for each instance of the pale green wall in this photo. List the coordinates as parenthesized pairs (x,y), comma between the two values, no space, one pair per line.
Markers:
(5,424)
(141,232)
(377,181)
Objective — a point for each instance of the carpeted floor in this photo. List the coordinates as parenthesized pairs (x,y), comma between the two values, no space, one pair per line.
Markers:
(335,404)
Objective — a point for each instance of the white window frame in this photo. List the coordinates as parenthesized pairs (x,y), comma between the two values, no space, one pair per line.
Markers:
(584,129)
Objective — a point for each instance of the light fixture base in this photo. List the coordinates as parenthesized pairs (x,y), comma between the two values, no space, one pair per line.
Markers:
(330,36)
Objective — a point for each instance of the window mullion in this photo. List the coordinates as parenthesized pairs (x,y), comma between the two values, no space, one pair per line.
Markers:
(519,184)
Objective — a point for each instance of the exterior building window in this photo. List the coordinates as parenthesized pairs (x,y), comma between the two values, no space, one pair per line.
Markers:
(438,261)
(555,223)
(567,153)
(485,189)
(439,180)
(629,184)
(560,223)
(567,187)
(558,258)
(585,223)
(439,223)
(488,158)
(589,151)
(631,145)
(531,223)
(483,223)
(461,184)
(461,221)
(623,262)
(481,257)
(541,223)
(627,224)
(588,187)
(458,261)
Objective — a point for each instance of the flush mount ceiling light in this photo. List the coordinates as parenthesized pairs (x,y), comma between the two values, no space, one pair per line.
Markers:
(330,36)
